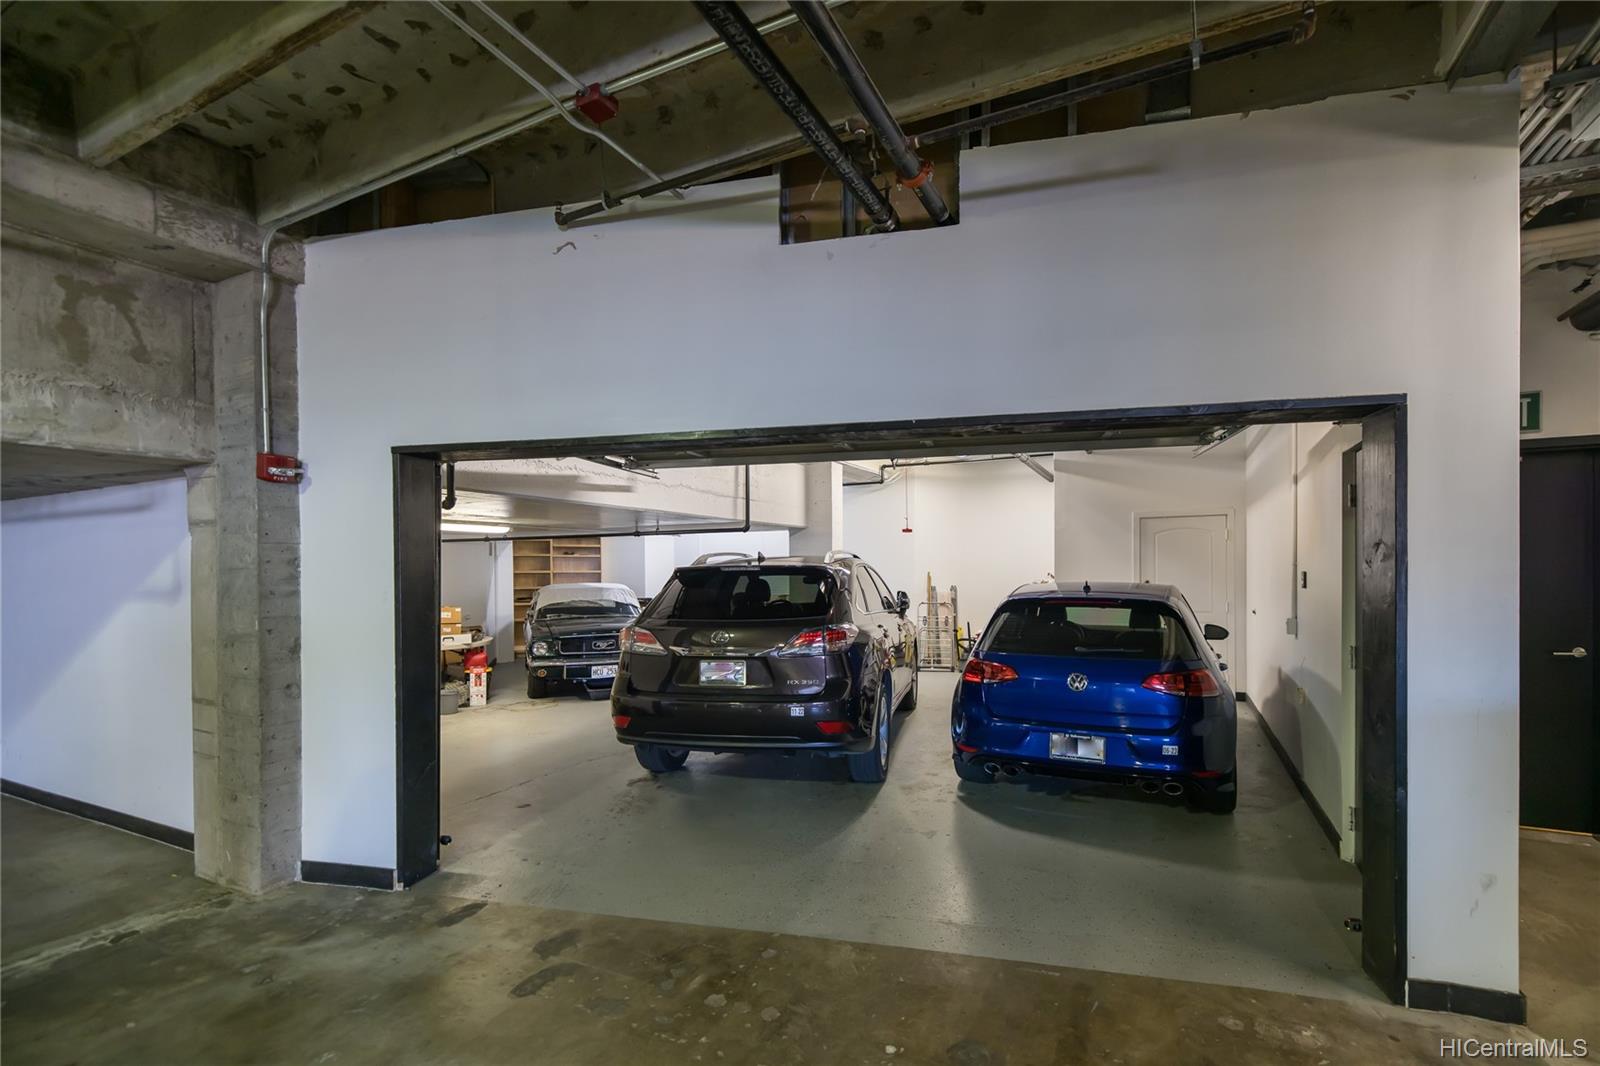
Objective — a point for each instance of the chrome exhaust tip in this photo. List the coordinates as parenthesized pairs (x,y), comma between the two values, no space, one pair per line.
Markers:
(1149,788)
(1172,788)
(1012,769)
(991,768)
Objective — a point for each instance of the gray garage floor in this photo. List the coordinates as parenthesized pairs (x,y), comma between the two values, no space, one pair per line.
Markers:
(546,808)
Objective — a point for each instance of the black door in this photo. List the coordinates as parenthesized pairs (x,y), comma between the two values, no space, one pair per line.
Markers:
(1380,631)
(1560,775)
(416,608)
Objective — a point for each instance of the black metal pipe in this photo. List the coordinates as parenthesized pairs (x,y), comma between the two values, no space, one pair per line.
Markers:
(915,172)
(744,41)
(710,172)
(449,487)
(1055,102)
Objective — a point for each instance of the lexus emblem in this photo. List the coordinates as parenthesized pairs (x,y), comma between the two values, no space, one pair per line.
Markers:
(1077,682)
(721,636)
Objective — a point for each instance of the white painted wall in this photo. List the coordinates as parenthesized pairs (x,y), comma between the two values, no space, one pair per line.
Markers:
(983,527)
(1293,478)
(1360,245)
(1099,496)
(94,637)
(477,577)
(645,563)
(1558,362)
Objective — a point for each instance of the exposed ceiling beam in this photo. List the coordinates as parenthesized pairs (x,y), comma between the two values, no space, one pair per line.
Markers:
(927,57)
(135,89)
(1483,36)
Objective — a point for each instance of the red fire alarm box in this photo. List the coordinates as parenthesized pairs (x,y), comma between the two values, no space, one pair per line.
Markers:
(598,105)
(283,468)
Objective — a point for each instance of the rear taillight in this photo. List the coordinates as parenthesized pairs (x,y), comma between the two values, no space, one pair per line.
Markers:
(833,729)
(985,672)
(641,641)
(621,720)
(1184,683)
(820,641)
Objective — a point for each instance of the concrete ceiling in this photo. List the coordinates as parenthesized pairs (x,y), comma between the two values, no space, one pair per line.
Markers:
(321,97)
(28,470)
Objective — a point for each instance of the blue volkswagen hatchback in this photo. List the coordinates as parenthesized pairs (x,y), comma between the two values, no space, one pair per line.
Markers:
(1111,682)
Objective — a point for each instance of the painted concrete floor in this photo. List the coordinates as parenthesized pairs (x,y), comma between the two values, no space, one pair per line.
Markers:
(153,966)
(546,808)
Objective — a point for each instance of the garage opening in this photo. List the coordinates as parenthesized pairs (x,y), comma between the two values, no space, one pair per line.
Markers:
(1278,527)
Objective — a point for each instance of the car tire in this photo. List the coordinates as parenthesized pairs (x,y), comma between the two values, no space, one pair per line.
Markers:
(538,687)
(973,771)
(909,703)
(660,759)
(871,767)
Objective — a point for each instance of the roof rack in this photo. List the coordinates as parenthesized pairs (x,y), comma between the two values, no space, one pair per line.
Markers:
(832,555)
(709,556)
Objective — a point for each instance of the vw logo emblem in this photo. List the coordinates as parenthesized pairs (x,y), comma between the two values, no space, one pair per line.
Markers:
(1077,682)
(721,636)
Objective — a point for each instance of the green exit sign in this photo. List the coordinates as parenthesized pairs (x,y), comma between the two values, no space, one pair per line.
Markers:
(1530,412)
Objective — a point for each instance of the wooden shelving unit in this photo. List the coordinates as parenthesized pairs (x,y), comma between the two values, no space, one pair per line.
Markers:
(537,563)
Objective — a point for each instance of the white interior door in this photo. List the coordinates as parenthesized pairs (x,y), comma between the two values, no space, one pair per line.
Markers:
(1191,552)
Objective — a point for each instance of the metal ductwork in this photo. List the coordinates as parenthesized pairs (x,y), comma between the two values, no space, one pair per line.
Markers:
(745,41)
(915,173)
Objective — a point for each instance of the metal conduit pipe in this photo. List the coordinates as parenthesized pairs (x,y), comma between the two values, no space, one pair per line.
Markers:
(1579,55)
(684,179)
(1301,31)
(745,41)
(915,173)
(522,39)
(538,86)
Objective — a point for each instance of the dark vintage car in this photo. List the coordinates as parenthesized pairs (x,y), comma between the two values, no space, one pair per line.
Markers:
(572,633)
(750,654)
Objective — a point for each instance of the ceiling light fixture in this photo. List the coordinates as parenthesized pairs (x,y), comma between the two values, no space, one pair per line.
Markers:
(473,527)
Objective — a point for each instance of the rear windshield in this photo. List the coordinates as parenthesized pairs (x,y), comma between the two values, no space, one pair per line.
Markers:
(1122,630)
(770,593)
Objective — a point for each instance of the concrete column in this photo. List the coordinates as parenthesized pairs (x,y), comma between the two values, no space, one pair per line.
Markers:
(246,628)
(824,529)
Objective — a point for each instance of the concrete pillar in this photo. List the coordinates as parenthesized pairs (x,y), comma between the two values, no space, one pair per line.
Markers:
(246,628)
(824,529)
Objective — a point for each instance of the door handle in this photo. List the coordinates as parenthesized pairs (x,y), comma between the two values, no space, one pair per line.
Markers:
(1575,653)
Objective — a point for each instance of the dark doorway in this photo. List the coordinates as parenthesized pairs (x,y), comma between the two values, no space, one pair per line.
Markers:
(1382,582)
(1560,714)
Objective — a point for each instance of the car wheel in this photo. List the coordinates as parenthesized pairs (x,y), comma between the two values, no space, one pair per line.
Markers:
(871,767)
(660,759)
(973,771)
(538,687)
(909,704)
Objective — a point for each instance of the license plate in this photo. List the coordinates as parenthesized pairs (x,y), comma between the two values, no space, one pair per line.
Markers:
(1073,746)
(722,672)
(602,671)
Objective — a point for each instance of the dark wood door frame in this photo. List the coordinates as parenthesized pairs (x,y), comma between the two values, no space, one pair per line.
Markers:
(417,580)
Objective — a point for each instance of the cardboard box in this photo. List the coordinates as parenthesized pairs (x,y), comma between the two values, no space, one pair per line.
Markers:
(452,640)
(449,628)
(450,615)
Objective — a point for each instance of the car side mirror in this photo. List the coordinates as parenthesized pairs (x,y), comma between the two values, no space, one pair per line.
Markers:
(902,603)
(1215,632)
